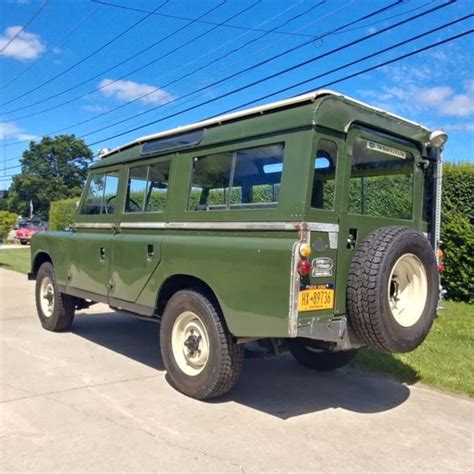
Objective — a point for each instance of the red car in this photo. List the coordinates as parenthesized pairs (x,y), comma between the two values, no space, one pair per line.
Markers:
(27,230)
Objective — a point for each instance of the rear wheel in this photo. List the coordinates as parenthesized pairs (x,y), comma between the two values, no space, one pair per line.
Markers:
(307,353)
(201,357)
(392,290)
(55,309)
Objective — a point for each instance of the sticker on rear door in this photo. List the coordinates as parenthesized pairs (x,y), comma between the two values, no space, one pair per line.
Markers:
(387,150)
(322,267)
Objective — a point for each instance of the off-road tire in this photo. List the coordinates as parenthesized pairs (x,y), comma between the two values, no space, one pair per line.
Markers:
(368,307)
(306,352)
(63,305)
(225,356)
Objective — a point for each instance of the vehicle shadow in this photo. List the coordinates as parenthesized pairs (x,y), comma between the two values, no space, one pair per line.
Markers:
(276,385)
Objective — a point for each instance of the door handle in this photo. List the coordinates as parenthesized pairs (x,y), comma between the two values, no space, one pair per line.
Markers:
(102,253)
(150,251)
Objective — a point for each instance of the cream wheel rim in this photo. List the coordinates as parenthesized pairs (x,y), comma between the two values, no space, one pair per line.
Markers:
(190,343)
(47,297)
(408,290)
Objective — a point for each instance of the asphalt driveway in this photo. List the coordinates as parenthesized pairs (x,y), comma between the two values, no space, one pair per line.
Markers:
(96,399)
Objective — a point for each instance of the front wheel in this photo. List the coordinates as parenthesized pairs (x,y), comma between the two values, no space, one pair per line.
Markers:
(201,357)
(306,352)
(55,309)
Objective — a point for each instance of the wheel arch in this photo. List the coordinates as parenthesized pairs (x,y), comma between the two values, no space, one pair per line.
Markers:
(178,282)
(38,260)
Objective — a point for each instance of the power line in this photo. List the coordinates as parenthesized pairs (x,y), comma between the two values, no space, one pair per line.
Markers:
(61,41)
(131,57)
(350,76)
(90,55)
(23,28)
(199,68)
(385,19)
(201,21)
(376,12)
(276,74)
(369,56)
(269,95)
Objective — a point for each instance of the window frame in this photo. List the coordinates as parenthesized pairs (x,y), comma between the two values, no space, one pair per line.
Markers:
(385,138)
(105,217)
(243,207)
(153,216)
(147,181)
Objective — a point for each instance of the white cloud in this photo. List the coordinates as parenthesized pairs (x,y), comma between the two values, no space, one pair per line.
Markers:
(459,127)
(129,90)
(10,130)
(95,108)
(443,100)
(24,46)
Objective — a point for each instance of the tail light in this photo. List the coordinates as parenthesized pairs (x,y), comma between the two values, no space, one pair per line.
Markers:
(440,260)
(304,267)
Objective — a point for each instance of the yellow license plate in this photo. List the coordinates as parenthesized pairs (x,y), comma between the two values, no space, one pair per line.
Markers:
(315,299)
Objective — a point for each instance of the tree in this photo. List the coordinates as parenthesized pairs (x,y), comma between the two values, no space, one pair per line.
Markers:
(52,169)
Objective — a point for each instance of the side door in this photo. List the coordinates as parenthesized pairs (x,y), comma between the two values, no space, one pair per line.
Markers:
(381,187)
(90,246)
(136,246)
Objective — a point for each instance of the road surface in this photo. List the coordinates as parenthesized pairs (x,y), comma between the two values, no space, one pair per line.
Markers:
(96,399)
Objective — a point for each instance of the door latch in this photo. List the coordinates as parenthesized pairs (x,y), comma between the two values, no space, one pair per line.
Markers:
(102,254)
(352,239)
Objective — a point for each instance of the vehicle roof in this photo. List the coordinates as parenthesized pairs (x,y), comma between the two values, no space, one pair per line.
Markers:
(281,104)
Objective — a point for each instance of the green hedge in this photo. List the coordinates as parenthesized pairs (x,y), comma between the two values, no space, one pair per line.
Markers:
(457,231)
(7,222)
(61,213)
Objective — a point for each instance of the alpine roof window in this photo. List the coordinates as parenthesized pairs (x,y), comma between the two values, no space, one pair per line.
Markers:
(169,143)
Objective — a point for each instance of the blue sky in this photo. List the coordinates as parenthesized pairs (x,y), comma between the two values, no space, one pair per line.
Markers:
(435,88)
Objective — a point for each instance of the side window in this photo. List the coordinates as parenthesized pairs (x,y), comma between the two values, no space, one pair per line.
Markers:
(157,186)
(147,188)
(101,194)
(247,178)
(322,196)
(136,189)
(381,182)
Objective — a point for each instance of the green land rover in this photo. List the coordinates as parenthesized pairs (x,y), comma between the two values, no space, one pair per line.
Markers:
(312,221)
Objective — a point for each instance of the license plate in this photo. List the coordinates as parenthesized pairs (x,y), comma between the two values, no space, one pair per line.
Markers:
(315,299)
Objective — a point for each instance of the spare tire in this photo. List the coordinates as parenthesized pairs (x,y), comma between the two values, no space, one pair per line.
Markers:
(392,289)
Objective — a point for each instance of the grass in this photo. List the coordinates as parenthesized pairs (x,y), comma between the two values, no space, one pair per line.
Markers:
(444,360)
(15,259)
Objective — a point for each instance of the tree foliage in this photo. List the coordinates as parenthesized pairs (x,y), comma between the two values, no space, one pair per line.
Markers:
(457,231)
(52,169)
(7,222)
(62,213)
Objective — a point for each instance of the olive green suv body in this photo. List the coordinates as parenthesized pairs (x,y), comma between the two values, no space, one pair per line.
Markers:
(261,211)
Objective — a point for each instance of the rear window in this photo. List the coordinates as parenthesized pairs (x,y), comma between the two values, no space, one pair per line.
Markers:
(245,179)
(381,183)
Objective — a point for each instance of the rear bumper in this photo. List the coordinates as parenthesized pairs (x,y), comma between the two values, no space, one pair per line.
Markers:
(332,330)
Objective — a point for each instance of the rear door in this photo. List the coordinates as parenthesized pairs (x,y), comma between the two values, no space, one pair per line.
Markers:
(381,180)
(136,246)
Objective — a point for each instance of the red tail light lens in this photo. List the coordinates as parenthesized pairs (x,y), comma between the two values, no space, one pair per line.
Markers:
(303,267)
